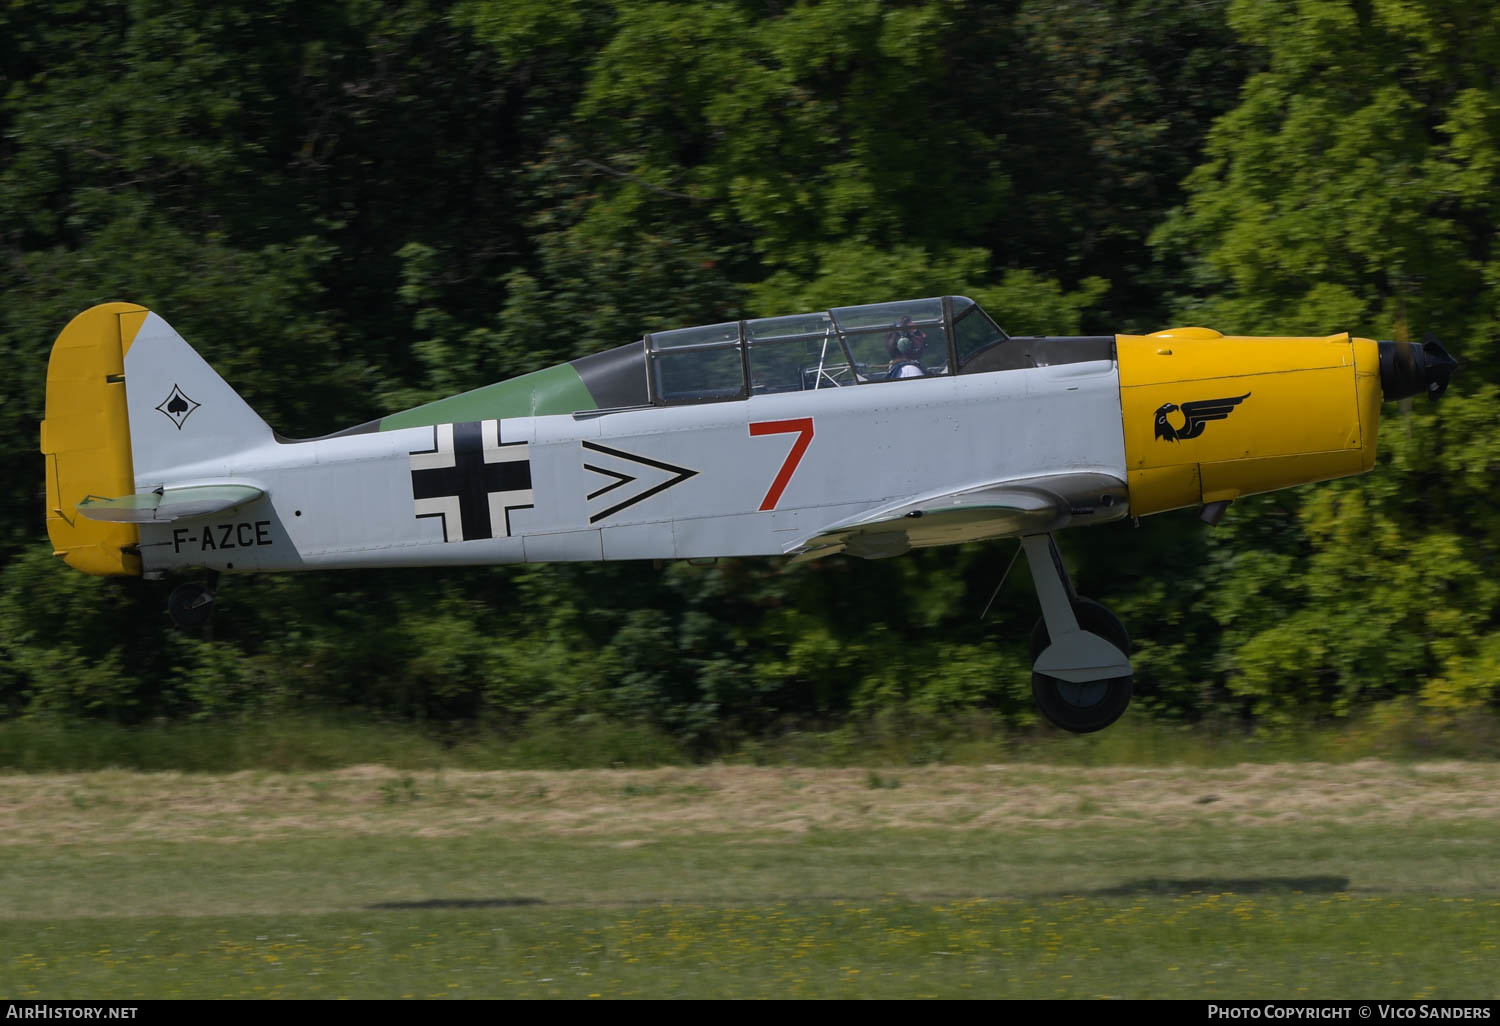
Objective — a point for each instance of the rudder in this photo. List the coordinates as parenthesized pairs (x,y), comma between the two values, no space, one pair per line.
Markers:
(86,438)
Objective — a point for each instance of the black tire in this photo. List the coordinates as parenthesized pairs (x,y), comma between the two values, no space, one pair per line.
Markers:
(190,605)
(1083,708)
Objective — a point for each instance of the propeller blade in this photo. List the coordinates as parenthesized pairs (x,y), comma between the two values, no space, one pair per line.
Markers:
(1403,341)
(1440,366)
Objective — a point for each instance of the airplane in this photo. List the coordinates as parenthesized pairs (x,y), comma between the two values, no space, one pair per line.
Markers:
(864,430)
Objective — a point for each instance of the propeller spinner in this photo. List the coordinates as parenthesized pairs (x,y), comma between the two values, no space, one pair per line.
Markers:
(1407,370)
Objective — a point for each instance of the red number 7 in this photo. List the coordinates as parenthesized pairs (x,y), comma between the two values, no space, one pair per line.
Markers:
(803,426)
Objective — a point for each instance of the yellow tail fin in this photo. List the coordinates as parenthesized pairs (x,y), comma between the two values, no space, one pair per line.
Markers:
(86,438)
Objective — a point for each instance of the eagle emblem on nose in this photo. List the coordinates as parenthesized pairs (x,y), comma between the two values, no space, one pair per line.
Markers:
(1196,416)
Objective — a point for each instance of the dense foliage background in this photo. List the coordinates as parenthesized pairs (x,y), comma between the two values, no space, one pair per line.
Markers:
(352,206)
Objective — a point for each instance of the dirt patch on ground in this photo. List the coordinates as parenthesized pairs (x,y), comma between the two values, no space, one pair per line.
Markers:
(630,807)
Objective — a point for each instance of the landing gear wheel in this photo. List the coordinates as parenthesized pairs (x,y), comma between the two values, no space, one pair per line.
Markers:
(190,605)
(1091,705)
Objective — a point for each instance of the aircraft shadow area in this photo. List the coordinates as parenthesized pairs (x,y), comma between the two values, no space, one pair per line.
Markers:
(458,903)
(1226,885)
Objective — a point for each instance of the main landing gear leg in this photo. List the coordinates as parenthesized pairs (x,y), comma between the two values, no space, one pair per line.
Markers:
(192,605)
(1081,676)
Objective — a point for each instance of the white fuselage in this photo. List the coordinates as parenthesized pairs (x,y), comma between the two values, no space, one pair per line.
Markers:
(746,478)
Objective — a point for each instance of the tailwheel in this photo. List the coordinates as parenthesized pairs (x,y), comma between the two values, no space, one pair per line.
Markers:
(1087,706)
(190,605)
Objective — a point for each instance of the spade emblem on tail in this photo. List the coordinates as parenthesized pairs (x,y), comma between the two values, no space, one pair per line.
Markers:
(177,407)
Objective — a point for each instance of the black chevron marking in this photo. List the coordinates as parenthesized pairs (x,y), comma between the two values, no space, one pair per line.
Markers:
(680,474)
(622,479)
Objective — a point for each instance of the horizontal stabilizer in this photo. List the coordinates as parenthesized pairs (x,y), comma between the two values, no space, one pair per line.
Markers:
(169,503)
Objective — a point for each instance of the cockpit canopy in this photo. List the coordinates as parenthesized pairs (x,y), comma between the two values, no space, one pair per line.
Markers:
(849,345)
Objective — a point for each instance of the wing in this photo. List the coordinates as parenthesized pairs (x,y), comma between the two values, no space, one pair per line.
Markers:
(1204,410)
(1001,509)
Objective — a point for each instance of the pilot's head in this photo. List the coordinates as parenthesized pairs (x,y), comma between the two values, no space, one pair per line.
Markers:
(906,342)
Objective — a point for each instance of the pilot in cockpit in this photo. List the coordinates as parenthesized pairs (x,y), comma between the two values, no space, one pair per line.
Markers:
(905,346)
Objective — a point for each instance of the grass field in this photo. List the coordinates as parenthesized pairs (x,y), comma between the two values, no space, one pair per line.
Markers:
(1367,879)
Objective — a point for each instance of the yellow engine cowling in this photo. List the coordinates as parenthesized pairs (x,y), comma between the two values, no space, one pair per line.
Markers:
(1211,418)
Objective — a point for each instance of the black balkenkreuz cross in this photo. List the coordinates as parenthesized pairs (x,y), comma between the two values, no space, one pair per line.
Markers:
(471,480)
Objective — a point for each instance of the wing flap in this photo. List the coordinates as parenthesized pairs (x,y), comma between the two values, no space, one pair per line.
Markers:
(169,503)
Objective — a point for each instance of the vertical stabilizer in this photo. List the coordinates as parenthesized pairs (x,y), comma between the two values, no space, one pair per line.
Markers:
(182,414)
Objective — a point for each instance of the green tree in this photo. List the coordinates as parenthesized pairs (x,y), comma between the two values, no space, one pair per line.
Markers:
(1353,187)
(352,207)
